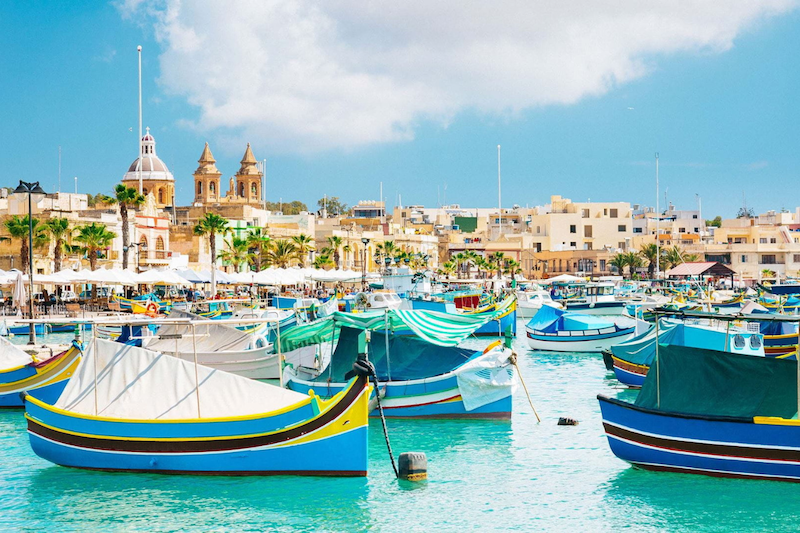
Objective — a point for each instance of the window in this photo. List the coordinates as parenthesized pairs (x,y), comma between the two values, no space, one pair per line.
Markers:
(697,230)
(538,247)
(681,230)
(637,230)
(796,258)
(584,213)
(744,259)
(199,188)
(773,240)
(573,244)
(588,246)
(161,196)
(241,190)
(762,240)
(614,213)
(694,216)
(602,264)
(253,190)
(538,229)
(768,259)
(621,245)
(587,231)
(212,188)
(622,227)
(605,212)
(573,228)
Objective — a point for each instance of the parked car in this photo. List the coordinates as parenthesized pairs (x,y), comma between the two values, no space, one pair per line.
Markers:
(69,296)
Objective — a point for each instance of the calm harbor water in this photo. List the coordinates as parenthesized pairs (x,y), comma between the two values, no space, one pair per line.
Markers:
(483,475)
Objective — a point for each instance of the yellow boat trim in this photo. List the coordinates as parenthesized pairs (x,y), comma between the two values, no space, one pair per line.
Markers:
(776,421)
(355,416)
(44,374)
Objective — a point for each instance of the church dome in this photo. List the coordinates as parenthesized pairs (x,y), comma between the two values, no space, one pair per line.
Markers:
(152,168)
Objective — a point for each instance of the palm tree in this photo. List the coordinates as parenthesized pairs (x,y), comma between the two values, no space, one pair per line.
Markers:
(258,243)
(126,197)
(650,253)
(282,252)
(304,244)
(458,260)
(323,261)
(619,261)
(335,242)
(513,268)
(675,256)
(60,233)
(496,260)
(211,225)
(447,268)
(19,227)
(236,252)
(94,237)
(481,264)
(634,261)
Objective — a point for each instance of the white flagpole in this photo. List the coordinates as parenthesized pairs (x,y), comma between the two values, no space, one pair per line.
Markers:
(139,49)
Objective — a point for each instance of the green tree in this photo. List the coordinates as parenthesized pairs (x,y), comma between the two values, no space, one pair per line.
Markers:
(323,261)
(18,227)
(513,268)
(634,261)
(649,253)
(94,237)
(282,253)
(258,243)
(333,206)
(287,208)
(210,226)
(447,268)
(335,242)
(716,222)
(126,197)
(236,252)
(619,261)
(497,260)
(674,256)
(304,244)
(60,232)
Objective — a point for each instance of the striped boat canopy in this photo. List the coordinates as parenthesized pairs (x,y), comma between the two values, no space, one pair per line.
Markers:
(442,329)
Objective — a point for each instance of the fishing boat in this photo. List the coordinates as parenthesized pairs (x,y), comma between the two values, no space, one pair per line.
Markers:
(709,412)
(215,344)
(598,299)
(503,314)
(560,331)
(43,376)
(421,371)
(132,409)
(631,360)
(529,302)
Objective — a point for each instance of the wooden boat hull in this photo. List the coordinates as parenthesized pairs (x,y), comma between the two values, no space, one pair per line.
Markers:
(45,381)
(314,437)
(562,342)
(757,448)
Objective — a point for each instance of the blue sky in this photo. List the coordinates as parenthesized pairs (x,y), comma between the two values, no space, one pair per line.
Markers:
(721,107)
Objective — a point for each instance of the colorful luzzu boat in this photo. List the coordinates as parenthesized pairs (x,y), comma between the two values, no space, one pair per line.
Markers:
(712,413)
(631,359)
(147,414)
(559,331)
(503,314)
(417,377)
(20,372)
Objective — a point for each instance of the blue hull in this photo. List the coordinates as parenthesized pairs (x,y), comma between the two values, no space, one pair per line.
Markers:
(714,446)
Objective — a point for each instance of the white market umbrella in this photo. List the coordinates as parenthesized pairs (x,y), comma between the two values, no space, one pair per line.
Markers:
(19,292)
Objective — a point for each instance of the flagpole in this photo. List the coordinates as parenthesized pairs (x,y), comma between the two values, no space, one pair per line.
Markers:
(139,166)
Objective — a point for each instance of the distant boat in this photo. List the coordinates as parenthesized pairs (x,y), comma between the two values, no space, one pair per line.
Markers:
(560,331)
(132,409)
(598,300)
(529,302)
(43,378)
(708,412)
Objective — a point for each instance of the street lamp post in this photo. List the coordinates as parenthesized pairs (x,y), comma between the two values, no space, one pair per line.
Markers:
(34,192)
(365,242)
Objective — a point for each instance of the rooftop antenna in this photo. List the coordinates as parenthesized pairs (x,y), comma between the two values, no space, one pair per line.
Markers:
(139,166)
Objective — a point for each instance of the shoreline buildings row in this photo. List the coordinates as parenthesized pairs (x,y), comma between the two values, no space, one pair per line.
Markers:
(560,237)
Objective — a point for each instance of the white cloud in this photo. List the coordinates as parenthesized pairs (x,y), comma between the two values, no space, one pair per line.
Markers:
(305,76)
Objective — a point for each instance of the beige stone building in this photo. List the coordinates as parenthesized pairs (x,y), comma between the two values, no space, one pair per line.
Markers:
(243,188)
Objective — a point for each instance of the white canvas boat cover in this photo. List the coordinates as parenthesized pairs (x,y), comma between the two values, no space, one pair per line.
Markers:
(138,384)
(12,356)
(208,337)
(486,379)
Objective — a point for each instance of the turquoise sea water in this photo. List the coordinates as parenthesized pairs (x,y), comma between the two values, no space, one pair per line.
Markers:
(483,475)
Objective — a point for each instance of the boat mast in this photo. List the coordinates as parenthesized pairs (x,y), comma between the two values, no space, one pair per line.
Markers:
(658,216)
(499,198)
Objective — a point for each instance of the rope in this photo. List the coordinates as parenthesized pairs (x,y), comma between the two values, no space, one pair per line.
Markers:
(365,365)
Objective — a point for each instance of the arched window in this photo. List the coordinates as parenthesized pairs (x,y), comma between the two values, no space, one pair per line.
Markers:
(253,190)
(159,248)
(212,188)
(241,190)
(160,197)
(199,188)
